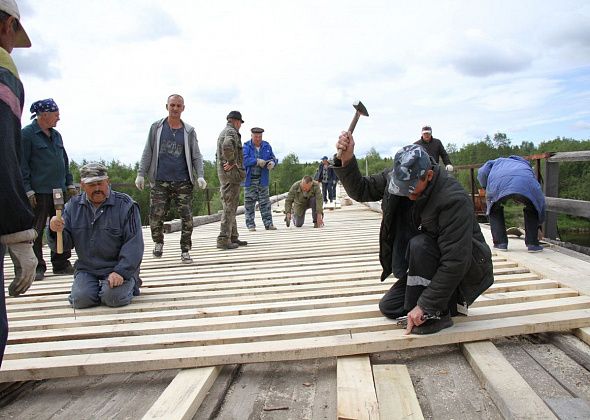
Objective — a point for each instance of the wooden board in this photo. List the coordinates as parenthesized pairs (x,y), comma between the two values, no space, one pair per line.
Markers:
(510,392)
(356,395)
(395,393)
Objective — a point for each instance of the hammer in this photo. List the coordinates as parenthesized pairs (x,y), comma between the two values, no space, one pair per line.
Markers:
(360,110)
(58,203)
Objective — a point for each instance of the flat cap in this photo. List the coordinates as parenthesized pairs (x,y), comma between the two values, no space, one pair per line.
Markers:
(257,130)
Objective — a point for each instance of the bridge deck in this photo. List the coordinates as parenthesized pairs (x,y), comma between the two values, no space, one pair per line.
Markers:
(291,294)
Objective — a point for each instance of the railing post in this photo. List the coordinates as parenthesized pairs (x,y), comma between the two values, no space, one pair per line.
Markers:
(551,189)
(472,173)
(208,201)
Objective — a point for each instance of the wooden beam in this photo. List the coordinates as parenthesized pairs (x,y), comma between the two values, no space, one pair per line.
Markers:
(579,156)
(512,395)
(297,349)
(564,205)
(583,334)
(395,393)
(356,397)
(182,398)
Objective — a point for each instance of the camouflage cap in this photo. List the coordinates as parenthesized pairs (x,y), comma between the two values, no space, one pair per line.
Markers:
(409,165)
(93,172)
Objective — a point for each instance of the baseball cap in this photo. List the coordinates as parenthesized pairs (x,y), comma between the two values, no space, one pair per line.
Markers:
(324,157)
(427,129)
(409,165)
(22,39)
(236,115)
(93,172)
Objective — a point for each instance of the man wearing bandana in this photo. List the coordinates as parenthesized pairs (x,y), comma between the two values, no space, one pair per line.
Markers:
(45,166)
(429,239)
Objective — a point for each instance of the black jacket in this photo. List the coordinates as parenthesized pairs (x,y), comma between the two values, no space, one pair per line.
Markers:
(435,149)
(443,212)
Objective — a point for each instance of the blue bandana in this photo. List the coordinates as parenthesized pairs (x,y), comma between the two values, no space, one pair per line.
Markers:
(44,105)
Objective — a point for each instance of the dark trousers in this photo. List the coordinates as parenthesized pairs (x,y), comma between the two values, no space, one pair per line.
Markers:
(424,258)
(328,191)
(44,209)
(299,220)
(531,221)
(3,317)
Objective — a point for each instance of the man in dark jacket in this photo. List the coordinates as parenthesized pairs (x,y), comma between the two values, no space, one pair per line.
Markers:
(429,239)
(434,147)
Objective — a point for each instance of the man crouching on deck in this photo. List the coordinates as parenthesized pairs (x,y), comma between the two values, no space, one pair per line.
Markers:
(429,238)
(105,228)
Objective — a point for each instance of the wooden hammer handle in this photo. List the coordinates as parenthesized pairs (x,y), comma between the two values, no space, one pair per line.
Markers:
(351,128)
(60,237)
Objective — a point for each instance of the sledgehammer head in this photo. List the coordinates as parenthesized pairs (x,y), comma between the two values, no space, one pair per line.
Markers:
(58,198)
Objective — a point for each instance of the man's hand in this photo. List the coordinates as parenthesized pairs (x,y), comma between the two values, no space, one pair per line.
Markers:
(288,219)
(56,224)
(415,318)
(202,183)
(228,166)
(115,280)
(33,200)
(346,144)
(320,220)
(140,182)
(261,162)
(270,164)
(449,168)
(72,191)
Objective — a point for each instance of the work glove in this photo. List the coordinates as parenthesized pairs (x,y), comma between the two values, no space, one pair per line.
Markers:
(32,200)
(20,245)
(140,182)
(72,191)
(449,168)
(270,164)
(261,162)
(202,183)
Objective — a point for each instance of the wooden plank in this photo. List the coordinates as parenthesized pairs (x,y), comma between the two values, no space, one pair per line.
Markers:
(181,399)
(297,349)
(512,395)
(578,156)
(563,205)
(259,332)
(583,334)
(395,393)
(356,397)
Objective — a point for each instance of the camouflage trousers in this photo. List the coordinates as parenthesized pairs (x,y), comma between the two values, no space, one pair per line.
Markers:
(230,196)
(161,195)
(256,192)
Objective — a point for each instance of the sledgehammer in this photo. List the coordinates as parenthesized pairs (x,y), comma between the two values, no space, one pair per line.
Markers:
(58,203)
(360,110)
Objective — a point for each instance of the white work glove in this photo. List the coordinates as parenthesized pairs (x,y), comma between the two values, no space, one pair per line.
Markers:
(261,162)
(449,168)
(20,245)
(72,191)
(32,199)
(271,164)
(202,183)
(140,182)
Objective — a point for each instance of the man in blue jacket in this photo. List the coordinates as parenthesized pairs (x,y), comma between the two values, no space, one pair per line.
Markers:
(512,178)
(325,174)
(105,228)
(259,160)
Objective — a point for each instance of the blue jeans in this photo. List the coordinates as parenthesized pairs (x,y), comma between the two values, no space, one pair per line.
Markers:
(90,290)
(531,221)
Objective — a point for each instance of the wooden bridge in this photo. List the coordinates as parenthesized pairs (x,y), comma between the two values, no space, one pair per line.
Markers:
(289,327)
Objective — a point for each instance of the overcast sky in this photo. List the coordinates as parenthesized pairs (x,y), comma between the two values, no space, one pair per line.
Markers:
(468,68)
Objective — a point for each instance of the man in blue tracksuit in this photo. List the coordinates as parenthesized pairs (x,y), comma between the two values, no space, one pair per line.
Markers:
(105,228)
(259,160)
(512,178)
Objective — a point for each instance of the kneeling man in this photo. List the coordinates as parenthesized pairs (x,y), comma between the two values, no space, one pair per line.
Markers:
(104,226)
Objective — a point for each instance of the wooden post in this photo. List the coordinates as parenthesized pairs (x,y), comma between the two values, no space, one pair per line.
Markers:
(208,201)
(551,189)
(472,173)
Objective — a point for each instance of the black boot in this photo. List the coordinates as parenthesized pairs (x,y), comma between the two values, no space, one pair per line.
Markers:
(432,326)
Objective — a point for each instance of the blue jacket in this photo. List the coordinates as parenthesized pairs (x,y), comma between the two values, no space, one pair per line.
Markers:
(266,153)
(319,175)
(44,162)
(109,241)
(512,175)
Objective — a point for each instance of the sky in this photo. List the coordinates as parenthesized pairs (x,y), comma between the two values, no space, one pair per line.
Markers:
(294,68)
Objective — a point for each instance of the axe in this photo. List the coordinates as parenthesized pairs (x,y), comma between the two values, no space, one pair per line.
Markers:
(360,110)
(58,204)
